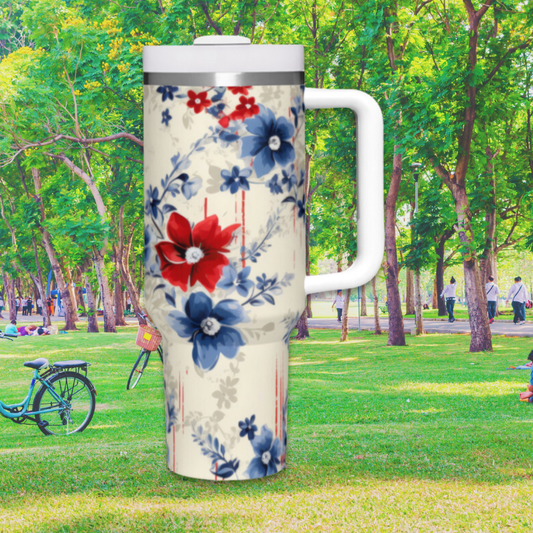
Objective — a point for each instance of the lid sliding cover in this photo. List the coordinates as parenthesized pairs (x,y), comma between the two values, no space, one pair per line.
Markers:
(224,60)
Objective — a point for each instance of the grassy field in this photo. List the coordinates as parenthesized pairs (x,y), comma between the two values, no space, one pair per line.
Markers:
(422,438)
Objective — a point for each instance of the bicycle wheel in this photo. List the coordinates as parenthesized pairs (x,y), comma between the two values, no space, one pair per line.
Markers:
(138,369)
(78,392)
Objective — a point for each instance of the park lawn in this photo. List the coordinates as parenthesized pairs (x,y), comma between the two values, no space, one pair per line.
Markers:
(426,437)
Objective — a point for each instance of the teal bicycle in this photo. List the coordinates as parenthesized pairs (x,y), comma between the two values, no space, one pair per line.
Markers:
(64,403)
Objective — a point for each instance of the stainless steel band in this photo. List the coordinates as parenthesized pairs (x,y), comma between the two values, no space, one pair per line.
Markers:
(223,79)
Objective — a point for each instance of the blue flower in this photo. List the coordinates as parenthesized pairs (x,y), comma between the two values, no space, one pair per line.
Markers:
(269,143)
(209,328)
(151,207)
(165,117)
(248,428)
(273,185)
(267,451)
(231,280)
(288,180)
(264,283)
(235,179)
(167,91)
(301,207)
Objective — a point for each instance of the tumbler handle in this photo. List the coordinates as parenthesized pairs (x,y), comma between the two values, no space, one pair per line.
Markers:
(370,216)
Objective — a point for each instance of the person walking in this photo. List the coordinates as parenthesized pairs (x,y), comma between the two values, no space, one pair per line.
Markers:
(518,295)
(128,304)
(24,303)
(492,291)
(449,295)
(1,307)
(339,304)
(39,306)
(29,306)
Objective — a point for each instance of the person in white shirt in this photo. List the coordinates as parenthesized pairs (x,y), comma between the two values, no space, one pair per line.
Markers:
(339,304)
(1,306)
(24,303)
(519,295)
(39,306)
(449,295)
(492,291)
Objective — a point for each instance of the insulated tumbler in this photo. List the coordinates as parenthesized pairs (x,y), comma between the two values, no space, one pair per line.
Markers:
(225,208)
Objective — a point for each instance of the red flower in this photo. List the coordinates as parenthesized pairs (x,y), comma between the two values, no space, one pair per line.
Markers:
(194,253)
(240,90)
(224,121)
(246,109)
(198,101)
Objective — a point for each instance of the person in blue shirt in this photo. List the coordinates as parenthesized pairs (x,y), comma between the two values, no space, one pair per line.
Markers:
(11,329)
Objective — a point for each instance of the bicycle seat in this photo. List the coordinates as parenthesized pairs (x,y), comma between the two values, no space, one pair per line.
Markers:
(38,364)
(70,364)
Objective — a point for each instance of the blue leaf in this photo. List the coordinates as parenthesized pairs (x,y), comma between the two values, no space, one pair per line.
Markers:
(170,299)
(168,208)
(225,471)
(216,444)
(269,299)
(257,302)
(160,286)
(289,199)
(222,449)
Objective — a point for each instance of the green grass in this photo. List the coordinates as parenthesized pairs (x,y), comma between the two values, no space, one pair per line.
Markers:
(422,438)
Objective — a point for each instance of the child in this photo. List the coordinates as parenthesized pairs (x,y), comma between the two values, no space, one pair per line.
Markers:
(11,329)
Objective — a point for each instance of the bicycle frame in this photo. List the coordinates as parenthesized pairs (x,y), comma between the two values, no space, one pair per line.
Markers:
(9,411)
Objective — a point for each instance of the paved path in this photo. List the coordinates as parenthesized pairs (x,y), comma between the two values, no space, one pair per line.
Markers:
(431,326)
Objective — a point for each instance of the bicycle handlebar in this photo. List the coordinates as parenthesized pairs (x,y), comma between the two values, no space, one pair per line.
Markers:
(145,317)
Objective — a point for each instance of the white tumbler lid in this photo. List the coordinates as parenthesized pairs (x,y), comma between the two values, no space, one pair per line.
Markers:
(223,53)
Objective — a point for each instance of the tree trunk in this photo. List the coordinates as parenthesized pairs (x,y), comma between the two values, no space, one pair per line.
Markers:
(92,319)
(308,305)
(418,304)
(107,303)
(377,325)
(363,301)
(119,300)
(435,296)
(303,328)
(439,277)
(9,287)
(409,293)
(72,292)
(123,256)
(345,308)
(79,286)
(52,257)
(396,327)
(481,339)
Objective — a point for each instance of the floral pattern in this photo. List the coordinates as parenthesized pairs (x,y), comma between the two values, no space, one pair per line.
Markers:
(267,449)
(224,240)
(194,253)
(209,328)
(270,142)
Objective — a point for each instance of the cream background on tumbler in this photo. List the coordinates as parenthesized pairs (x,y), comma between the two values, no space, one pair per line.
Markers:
(266,208)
